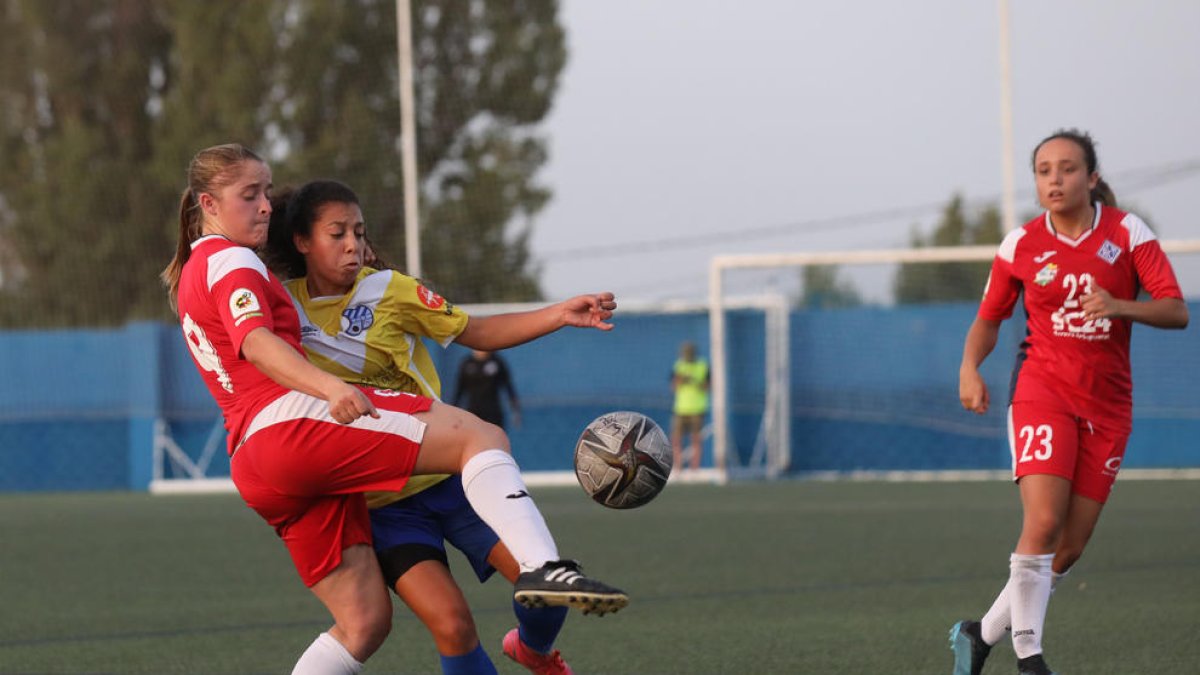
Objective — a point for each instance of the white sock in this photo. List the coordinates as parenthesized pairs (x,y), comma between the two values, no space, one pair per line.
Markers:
(998,621)
(1029,595)
(495,490)
(326,656)
(995,624)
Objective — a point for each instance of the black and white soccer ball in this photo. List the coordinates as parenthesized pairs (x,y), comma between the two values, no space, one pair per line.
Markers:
(623,460)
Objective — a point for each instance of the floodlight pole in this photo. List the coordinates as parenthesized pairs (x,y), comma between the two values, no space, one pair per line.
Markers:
(408,140)
(1008,202)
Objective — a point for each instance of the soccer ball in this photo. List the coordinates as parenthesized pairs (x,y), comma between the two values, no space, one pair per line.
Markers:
(622,460)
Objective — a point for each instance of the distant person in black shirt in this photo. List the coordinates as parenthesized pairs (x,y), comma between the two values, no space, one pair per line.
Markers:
(481,377)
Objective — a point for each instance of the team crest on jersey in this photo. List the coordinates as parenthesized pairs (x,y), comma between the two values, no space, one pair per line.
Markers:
(1109,252)
(357,319)
(1046,274)
(243,304)
(429,298)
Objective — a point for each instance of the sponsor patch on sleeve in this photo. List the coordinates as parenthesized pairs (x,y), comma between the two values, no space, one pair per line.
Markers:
(243,304)
(429,298)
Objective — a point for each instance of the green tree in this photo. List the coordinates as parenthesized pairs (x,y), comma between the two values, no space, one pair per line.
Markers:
(822,288)
(949,282)
(486,73)
(68,128)
(103,102)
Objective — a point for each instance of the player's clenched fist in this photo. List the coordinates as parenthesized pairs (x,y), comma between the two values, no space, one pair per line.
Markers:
(972,391)
(348,403)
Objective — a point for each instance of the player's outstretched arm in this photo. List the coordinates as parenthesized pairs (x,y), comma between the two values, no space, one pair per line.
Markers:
(501,331)
(981,340)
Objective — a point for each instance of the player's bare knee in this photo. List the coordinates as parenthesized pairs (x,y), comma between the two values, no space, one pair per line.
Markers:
(482,436)
(379,632)
(367,631)
(1042,530)
(454,633)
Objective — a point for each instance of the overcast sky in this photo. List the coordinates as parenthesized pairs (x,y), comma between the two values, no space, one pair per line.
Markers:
(741,125)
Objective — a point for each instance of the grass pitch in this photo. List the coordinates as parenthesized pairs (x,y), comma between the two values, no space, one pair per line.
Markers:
(786,577)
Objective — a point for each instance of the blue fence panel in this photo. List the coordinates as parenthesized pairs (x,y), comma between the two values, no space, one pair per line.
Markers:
(64,410)
(877,389)
(871,388)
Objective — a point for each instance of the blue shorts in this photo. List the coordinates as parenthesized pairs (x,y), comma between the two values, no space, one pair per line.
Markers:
(416,529)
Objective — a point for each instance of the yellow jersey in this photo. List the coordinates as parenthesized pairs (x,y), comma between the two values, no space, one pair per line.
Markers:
(372,336)
(691,394)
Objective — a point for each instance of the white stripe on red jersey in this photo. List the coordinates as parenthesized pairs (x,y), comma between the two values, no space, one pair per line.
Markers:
(225,292)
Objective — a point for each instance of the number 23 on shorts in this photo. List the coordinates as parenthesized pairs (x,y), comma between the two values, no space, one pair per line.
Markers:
(1043,438)
(1035,442)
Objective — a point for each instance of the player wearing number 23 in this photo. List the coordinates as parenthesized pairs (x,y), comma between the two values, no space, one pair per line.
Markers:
(1075,358)
(1080,267)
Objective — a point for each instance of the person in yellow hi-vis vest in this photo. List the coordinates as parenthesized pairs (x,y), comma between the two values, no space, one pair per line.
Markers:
(689,381)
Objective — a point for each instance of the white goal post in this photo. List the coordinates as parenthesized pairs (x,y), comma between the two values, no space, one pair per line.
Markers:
(778,456)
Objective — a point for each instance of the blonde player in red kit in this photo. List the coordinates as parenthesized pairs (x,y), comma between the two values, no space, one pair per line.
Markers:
(1079,266)
(305,445)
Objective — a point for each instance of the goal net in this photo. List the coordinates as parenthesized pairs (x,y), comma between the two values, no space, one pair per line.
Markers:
(867,370)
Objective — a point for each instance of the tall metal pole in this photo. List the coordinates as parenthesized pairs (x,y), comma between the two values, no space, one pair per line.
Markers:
(720,397)
(408,140)
(1009,203)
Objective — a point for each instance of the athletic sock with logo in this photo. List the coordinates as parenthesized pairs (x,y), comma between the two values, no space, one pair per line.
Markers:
(998,620)
(1029,594)
(496,491)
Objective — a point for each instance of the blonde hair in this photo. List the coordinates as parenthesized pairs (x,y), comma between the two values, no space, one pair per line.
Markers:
(208,171)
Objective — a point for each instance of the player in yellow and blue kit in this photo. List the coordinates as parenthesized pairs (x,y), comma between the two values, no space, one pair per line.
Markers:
(365,326)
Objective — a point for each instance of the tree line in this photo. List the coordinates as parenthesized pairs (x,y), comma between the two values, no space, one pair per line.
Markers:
(103,102)
(822,287)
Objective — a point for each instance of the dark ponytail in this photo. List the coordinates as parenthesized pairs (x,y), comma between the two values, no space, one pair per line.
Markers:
(280,253)
(1104,194)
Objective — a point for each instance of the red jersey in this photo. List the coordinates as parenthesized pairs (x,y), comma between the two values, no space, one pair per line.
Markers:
(1065,359)
(225,292)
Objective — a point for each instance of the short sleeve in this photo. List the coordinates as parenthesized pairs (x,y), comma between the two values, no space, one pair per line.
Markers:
(1154,271)
(238,281)
(1003,287)
(1001,292)
(423,312)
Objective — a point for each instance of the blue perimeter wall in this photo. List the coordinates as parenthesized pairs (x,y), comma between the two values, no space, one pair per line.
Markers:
(873,388)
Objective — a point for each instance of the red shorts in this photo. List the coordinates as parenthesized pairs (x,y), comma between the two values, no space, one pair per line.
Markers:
(305,473)
(1045,440)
